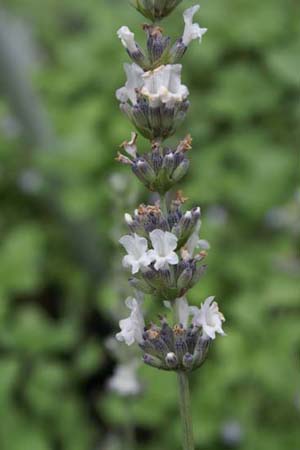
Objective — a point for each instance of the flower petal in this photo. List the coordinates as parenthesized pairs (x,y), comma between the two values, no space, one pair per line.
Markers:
(127,39)
(170,241)
(172,258)
(183,310)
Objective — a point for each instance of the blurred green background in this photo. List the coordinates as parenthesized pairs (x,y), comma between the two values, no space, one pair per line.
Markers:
(62,202)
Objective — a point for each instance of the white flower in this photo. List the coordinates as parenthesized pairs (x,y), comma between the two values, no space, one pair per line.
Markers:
(164,243)
(128,219)
(132,328)
(163,85)
(191,30)
(134,81)
(209,318)
(124,380)
(182,311)
(137,249)
(127,39)
(194,243)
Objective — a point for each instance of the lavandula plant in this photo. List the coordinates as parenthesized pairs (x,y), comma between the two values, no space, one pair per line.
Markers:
(164,252)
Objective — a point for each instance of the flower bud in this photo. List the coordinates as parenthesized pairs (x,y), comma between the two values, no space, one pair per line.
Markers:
(160,347)
(188,361)
(165,276)
(142,169)
(181,170)
(167,335)
(192,337)
(179,342)
(139,117)
(140,285)
(157,44)
(153,361)
(138,57)
(185,278)
(155,9)
(177,51)
(201,350)
(197,274)
(196,213)
(168,164)
(171,360)
(156,159)
(169,119)
(155,120)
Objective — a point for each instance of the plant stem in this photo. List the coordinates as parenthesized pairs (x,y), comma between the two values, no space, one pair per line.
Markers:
(129,428)
(164,205)
(185,411)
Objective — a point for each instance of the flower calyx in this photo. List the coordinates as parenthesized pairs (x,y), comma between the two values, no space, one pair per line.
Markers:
(161,168)
(159,48)
(154,101)
(156,9)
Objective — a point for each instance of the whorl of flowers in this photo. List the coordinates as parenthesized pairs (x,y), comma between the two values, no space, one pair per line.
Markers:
(163,251)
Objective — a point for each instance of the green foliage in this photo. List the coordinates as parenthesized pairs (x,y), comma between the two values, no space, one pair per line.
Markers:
(54,315)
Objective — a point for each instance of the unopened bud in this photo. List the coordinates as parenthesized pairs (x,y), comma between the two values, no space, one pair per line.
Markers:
(165,276)
(156,42)
(138,116)
(180,345)
(156,159)
(153,361)
(143,171)
(177,51)
(181,170)
(198,273)
(201,351)
(138,56)
(140,285)
(185,278)
(188,361)
(155,9)
(155,119)
(168,119)
(196,213)
(168,163)
(171,360)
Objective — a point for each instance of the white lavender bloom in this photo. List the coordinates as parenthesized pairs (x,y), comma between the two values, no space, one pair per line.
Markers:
(191,30)
(127,39)
(209,318)
(194,243)
(134,82)
(163,85)
(164,243)
(128,219)
(124,380)
(183,311)
(137,249)
(132,327)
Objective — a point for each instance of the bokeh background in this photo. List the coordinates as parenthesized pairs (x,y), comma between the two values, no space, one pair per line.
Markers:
(62,202)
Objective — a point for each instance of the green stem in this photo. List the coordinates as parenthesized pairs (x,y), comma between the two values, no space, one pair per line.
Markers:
(185,411)
(129,430)
(164,205)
